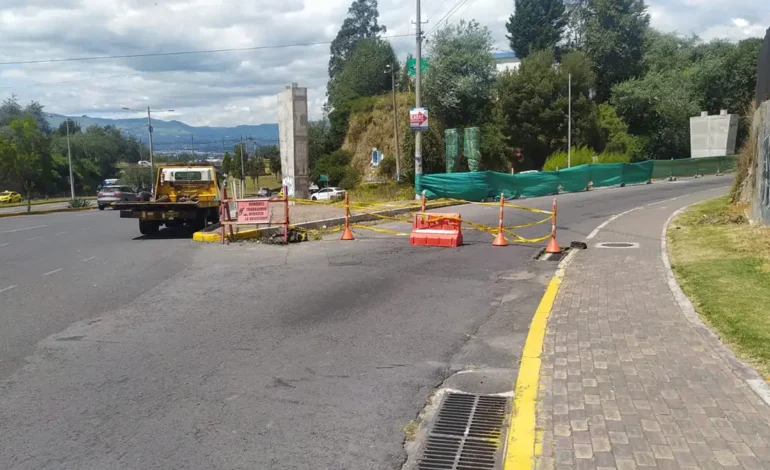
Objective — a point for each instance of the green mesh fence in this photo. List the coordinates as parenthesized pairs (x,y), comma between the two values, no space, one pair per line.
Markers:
(477,186)
(575,179)
(452,140)
(693,166)
(471,147)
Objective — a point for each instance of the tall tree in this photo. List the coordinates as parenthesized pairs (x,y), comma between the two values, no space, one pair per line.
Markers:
(575,32)
(459,84)
(615,34)
(536,25)
(26,156)
(364,72)
(534,102)
(361,23)
(74,127)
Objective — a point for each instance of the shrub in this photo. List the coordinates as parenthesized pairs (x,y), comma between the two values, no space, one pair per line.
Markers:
(387,168)
(350,179)
(79,202)
(582,156)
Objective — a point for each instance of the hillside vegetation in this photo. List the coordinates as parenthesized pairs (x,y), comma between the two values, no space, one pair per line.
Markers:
(371,125)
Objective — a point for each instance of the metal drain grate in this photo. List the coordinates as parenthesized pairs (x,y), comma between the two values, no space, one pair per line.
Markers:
(466,435)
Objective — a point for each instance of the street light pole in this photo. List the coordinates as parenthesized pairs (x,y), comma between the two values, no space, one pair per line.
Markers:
(69,157)
(395,124)
(569,125)
(418,100)
(152,160)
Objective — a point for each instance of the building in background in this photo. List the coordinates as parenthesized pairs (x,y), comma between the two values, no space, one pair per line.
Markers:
(506,61)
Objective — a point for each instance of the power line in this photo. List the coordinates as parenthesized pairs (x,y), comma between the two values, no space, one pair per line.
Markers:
(178,53)
(446,17)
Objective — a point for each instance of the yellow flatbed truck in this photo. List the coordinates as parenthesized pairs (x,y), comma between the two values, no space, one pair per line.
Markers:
(185,194)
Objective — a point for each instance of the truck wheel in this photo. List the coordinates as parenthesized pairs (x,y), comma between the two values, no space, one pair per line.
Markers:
(101,208)
(148,227)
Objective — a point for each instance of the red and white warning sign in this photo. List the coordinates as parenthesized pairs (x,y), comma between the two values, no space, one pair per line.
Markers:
(254,211)
(418,119)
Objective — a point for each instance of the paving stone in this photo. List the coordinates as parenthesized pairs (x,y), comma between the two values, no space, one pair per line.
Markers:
(628,381)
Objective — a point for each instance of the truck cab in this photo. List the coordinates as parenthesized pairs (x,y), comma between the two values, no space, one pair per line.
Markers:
(184,194)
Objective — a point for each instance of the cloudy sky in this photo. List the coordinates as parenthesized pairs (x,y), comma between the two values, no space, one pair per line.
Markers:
(233,88)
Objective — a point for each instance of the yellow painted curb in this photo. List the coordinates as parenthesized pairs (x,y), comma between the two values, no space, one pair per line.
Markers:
(51,211)
(216,237)
(524,443)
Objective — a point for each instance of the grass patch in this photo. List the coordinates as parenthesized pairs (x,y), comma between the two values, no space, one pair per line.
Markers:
(37,202)
(371,193)
(411,429)
(723,265)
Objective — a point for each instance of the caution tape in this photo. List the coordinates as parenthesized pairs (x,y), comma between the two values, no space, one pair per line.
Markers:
(380,230)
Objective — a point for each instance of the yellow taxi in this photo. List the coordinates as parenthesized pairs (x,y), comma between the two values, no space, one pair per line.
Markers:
(9,197)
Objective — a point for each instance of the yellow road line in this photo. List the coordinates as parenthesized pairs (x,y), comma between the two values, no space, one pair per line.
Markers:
(524,443)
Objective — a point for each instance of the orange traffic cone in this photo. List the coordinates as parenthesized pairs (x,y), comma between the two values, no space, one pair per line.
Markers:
(553,246)
(500,238)
(347,234)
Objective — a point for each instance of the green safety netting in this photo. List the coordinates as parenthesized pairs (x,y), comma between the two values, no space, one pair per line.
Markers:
(477,186)
(471,147)
(452,139)
(693,166)
(575,178)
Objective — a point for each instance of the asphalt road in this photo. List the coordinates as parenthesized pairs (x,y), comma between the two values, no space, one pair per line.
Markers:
(123,352)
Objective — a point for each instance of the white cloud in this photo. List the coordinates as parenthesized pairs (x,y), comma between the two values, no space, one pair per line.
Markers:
(240,87)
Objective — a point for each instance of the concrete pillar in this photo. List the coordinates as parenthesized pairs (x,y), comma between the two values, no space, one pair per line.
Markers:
(713,136)
(293,139)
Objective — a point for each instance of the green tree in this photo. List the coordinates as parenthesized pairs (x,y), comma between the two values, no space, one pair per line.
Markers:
(364,73)
(139,177)
(318,141)
(361,23)
(727,76)
(536,25)
(459,84)
(74,128)
(534,102)
(575,33)
(26,156)
(227,163)
(668,51)
(658,107)
(614,41)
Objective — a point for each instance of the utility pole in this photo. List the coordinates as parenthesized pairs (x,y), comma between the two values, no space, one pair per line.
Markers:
(395,124)
(243,172)
(69,157)
(569,125)
(417,101)
(152,161)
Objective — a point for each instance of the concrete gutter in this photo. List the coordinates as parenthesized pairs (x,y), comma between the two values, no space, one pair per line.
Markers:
(212,233)
(50,211)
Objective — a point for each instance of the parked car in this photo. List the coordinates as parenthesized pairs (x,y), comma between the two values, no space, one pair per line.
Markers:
(143,163)
(109,194)
(264,192)
(327,194)
(9,197)
(313,188)
(144,196)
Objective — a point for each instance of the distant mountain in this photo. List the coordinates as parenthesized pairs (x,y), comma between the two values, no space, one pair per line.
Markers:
(177,136)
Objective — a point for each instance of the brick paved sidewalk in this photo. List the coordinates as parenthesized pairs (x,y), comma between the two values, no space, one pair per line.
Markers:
(627,381)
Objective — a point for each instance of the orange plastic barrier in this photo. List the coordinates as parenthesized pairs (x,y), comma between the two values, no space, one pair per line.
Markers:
(431,229)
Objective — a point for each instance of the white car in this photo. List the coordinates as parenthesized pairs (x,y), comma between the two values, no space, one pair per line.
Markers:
(327,194)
